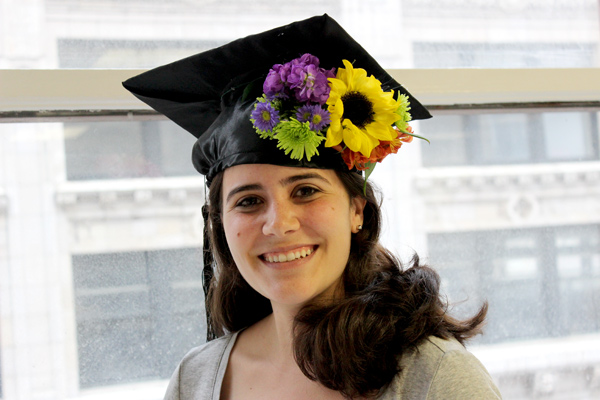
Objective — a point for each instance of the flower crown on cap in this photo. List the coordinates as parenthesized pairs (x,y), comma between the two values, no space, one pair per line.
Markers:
(304,105)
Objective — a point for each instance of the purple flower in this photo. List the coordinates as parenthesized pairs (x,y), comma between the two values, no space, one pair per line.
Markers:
(315,86)
(315,115)
(309,82)
(301,77)
(306,59)
(275,85)
(329,73)
(264,116)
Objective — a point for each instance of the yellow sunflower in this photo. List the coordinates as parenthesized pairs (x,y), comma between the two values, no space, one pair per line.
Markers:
(362,114)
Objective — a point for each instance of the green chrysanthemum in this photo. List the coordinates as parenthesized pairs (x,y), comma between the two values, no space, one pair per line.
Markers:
(264,134)
(297,137)
(403,110)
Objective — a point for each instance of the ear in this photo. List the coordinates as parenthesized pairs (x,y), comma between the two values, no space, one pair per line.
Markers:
(357,207)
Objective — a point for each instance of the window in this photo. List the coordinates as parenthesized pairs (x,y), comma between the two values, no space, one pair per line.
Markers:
(511,138)
(95,53)
(137,313)
(546,276)
(126,149)
(502,55)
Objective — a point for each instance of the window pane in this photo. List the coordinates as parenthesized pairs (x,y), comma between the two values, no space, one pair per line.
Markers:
(499,139)
(578,144)
(426,33)
(137,314)
(117,150)
(518,54)
(550,287)
(115,53)
(510,138)
(449,138)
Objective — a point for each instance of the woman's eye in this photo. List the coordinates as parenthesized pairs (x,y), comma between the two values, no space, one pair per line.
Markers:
(306,191)
(247,202)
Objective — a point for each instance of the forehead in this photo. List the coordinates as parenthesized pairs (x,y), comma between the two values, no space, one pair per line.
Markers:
(267,174)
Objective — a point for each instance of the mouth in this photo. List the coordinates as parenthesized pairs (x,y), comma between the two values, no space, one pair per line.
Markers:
(289,255)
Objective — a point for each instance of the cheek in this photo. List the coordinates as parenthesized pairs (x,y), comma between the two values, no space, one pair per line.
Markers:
(233,232)
(333,220)
(238,232)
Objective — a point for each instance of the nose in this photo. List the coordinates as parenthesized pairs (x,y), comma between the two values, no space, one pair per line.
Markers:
(280,219)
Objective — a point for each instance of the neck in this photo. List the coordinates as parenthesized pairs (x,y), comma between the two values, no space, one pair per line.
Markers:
(275,332)
(278,332)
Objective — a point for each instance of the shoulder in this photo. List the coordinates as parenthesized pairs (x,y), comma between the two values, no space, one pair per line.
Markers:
(201,370)
(207,354)
(442,369)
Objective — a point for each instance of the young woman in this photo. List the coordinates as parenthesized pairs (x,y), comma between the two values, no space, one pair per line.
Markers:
(304,302)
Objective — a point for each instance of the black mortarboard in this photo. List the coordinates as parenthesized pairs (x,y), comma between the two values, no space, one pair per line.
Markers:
(212,94)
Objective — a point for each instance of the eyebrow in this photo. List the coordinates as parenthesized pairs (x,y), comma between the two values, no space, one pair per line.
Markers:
(294,178)
(242,188)
(284,182)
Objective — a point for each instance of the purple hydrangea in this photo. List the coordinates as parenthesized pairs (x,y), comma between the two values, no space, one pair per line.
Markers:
(317,117)
(264,116)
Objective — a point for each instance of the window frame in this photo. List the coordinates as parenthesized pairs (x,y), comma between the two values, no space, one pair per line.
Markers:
(42,95)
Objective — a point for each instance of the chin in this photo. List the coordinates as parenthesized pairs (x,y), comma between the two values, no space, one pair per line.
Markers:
(299,298)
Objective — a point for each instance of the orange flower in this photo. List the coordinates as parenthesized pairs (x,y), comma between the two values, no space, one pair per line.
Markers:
(355,159)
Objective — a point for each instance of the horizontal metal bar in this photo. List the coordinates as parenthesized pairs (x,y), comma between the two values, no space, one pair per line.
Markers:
(75,115)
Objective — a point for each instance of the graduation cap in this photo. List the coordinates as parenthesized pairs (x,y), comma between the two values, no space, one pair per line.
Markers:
(212,94)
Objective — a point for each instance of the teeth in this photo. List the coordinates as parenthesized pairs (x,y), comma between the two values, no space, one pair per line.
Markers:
(289,256)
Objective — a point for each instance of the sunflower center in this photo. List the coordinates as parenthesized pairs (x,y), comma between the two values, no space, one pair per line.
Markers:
(358,109)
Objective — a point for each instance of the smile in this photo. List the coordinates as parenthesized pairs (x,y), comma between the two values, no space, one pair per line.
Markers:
(287,256)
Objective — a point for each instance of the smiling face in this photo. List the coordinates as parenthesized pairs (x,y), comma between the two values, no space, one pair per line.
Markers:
(289,229)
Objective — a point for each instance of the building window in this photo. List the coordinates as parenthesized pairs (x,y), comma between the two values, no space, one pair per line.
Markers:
(549,277)
(127,149)
(510,138)
(503,55)
(90,53)
(137,313)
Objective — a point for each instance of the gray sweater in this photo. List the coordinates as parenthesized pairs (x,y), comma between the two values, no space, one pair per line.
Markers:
(437,369)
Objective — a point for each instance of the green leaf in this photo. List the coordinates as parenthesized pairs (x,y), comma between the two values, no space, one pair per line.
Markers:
(248,89)
(370,167)
(417,136)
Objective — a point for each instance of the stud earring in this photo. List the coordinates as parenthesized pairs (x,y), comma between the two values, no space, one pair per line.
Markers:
(359,227)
